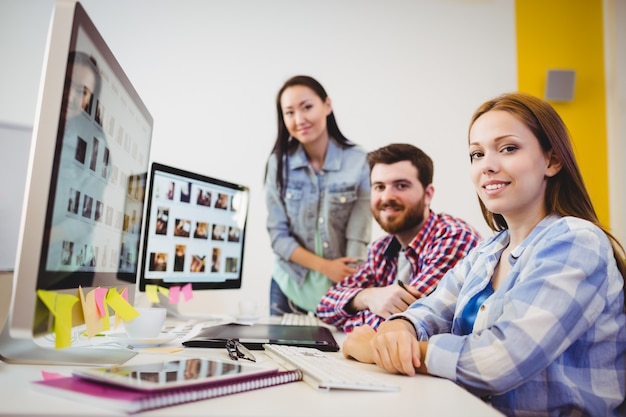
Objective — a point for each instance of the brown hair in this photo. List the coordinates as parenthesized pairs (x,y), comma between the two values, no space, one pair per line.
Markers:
(566,194)
(397,152)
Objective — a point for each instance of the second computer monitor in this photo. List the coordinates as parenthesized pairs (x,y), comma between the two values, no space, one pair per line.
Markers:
(195,230)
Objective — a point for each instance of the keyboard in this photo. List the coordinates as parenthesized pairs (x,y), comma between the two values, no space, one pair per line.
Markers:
(296,319)
(321,370)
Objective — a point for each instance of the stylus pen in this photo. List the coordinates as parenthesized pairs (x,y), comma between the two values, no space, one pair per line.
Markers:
(403,285)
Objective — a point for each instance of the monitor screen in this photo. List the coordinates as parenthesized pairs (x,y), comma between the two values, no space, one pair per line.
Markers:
(86,177)
(195,230)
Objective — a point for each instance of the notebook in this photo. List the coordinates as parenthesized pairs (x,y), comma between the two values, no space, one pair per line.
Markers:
(255,336)
(133,401)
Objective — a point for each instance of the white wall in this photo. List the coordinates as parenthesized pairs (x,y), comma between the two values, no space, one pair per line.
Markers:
(615,63)
(209,70)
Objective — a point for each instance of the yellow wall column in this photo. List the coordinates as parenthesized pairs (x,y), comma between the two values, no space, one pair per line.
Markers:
(568,34)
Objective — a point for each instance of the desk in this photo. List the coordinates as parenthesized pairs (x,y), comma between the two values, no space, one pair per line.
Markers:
(419,395)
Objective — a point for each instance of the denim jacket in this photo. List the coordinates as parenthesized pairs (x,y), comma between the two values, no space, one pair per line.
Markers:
(337,201)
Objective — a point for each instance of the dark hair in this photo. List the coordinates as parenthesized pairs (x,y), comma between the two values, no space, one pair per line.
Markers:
(285,144)
(397,152)
(566,193)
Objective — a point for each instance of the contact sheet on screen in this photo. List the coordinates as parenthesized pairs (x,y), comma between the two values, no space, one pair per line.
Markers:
(195,230)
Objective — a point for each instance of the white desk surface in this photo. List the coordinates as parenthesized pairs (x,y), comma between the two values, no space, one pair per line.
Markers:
(419,395)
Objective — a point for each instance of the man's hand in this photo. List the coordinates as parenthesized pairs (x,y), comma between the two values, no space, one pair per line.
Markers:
(385,301)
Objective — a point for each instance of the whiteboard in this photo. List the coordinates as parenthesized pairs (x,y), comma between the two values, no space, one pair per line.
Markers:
(14,149)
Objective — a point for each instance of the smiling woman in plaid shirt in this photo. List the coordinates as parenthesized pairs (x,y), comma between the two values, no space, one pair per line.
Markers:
(533,319)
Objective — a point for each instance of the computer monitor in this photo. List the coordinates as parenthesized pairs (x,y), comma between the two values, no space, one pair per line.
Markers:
(85,191)
(195,232)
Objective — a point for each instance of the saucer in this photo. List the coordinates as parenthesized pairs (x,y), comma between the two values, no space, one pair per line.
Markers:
(123,338)
(246,317)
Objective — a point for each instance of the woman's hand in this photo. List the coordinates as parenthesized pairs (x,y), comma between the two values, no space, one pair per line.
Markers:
(338,269)
(334,269)
(396,349)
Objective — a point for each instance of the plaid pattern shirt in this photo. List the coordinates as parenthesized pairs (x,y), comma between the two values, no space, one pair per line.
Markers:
(441,242)
(551,340)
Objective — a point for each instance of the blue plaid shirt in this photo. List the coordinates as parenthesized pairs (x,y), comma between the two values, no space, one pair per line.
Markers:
(551,340)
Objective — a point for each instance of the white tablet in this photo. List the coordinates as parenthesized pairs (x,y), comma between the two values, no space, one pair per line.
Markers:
(179,373)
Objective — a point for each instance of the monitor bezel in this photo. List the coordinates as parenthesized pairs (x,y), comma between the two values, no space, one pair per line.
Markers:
(194,176)
(67,17)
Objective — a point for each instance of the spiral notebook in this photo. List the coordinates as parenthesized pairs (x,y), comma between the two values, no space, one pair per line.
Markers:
(133,401)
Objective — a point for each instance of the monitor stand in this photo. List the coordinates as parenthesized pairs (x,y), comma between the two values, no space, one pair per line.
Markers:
(27,351)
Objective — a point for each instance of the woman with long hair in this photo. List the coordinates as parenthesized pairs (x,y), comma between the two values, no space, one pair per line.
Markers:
(533,319)
(317,194)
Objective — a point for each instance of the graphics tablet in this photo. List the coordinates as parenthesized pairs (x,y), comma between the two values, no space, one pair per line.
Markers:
(173,373)
(255,336)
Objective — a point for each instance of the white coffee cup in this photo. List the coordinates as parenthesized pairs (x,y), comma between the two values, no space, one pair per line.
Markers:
(248,309)
(147,324)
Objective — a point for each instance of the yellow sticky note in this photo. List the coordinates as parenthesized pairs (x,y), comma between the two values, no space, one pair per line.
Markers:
(60,305)
(118,318)
(164,291)
(152,292)
(122,308)
(63,320)
(48,298)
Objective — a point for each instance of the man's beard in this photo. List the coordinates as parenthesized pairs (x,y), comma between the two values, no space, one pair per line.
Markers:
(404,220)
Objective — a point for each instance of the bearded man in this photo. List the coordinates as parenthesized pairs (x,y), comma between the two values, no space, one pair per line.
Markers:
(408,262)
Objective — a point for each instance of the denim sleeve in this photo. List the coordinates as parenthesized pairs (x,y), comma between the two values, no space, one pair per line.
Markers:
(283,243)
(359,228)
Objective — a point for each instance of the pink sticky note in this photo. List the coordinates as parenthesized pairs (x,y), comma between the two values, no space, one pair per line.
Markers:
(174,294)
(187,291)
(101,294)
